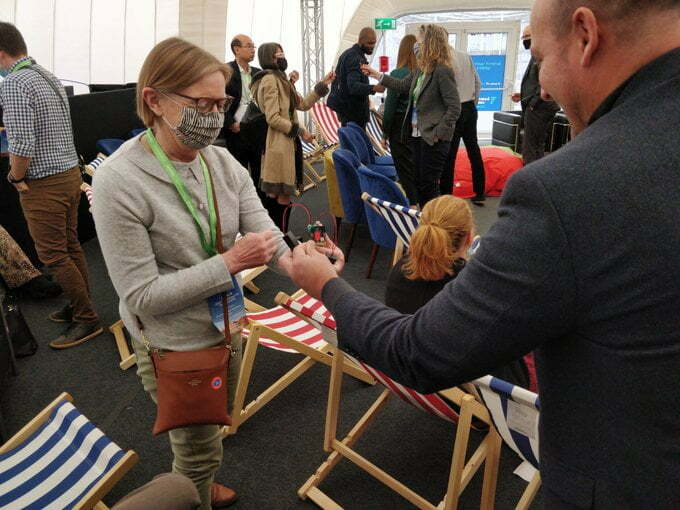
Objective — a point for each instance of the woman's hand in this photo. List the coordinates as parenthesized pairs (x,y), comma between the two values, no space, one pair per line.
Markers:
(307,136)
(331,250)
(252,250)
(328,79)
(369,71)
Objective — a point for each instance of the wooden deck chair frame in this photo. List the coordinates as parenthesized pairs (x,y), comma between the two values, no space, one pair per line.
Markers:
(117,329)
(460,474)
(311,175)
(241,412)
(93,498)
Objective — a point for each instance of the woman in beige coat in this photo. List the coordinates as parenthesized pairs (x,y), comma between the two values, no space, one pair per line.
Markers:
(277,98)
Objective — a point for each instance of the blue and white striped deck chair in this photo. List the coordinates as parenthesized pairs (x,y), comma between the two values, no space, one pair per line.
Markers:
(60,460)
(402,220)
(515,412)
(375,133)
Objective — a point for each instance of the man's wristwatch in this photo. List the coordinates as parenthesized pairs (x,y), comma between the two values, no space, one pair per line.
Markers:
(11,180)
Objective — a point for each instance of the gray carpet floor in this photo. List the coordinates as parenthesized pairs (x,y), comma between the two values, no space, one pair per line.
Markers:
(275,452)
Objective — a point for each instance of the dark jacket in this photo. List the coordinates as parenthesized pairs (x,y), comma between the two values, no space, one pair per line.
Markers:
(438,102)
(409,296)
(350,89)
(234,90)
(582,265)
(396,105)
(531,90)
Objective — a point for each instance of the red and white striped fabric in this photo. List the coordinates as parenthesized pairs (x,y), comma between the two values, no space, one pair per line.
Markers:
(431,403)
(328,122)
(312,308)
(88,192)
(288,324)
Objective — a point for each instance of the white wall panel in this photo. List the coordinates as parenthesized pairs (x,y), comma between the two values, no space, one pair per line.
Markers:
(7,10)
(167,19)
(140,30)
(108,46)
(72,42)
(35,20)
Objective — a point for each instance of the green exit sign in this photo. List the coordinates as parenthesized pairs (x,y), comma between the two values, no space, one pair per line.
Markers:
(385,24)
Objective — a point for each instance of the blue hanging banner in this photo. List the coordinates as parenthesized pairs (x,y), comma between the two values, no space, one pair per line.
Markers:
(491,70)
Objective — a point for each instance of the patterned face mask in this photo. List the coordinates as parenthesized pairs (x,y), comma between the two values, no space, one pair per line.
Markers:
(197,130)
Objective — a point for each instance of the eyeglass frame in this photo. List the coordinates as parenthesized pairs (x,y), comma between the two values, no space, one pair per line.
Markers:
(228,100)
(246,46)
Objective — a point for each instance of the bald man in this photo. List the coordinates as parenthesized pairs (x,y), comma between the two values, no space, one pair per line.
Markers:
(537,114)
(581,267)
(350,90)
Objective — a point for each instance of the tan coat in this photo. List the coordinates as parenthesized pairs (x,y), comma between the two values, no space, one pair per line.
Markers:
(278,162)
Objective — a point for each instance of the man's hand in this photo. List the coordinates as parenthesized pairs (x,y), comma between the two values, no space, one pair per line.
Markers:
(235,127)
(516,97)
(331,250)
(293,77)
(252,250)
(308,268)
(378,87)
(21,187)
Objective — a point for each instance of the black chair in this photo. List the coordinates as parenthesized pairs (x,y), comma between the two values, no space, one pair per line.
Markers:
(506,130)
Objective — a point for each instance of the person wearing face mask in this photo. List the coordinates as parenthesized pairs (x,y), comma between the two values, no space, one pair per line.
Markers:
(158,227)
(44,170)
(349,93)
(433,107)
(537,114)
(277,98)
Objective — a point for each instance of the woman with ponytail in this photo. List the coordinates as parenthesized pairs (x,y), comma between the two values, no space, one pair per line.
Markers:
(438,253)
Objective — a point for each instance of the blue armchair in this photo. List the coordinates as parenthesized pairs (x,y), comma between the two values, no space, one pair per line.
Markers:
(373,159)
(346,165)
(352,141)
(381,187)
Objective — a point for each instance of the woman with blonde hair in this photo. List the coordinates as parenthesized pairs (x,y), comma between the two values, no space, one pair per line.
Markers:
(437,255)
(433,108)
(163,205)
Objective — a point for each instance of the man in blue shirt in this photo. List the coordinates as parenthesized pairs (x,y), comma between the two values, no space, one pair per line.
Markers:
(44,170)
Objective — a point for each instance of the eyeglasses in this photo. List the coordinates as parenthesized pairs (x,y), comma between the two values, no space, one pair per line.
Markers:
(246,46)
(203,104)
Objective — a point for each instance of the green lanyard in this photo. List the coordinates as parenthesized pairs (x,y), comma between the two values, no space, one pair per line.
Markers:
(208,245)
(416,89)
(21,65)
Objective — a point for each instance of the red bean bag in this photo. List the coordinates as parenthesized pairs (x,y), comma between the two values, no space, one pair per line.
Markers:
(499,165)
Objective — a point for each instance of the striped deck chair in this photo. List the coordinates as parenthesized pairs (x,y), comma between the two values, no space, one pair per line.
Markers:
(60,460)
(515,412)
(117,329)
(312,153)
(285,330)
(444,404)
(375,133)
(327,122)
(402,220)
(94,164)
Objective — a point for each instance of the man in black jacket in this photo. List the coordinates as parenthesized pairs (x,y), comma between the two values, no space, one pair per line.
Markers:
(581,268)
(350,90)
(537,114)
(239,88)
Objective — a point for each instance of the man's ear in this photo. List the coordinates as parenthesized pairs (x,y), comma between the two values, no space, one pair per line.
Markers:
(151,98)
(587,32)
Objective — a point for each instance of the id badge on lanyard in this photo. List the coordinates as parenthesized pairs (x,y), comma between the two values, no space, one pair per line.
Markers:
(414,122)
(235,306)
